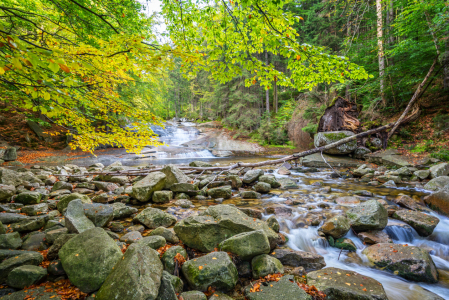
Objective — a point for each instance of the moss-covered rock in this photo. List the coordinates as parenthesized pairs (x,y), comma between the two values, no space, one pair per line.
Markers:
(273,223)
(410,262)
(263,265)
(252,175)
(154,242)
(286,288)
(10,240)
(423,224)
(135,277)
(167,234)
(262,187)
(89,257)
(24,276)
(66,199)
(308,260)
(236,182)
(271,180)
(342,243)
(154,218)
(193,295)
(439,201)
(174,175)
(250,195)
(28,198)
(224,192)
(143,189)
(370,215)
(247,245)
(170,287)
(437,184)
(162,196)
(215,269)
(329,137)
(336,227)
(168,258)
(26,258)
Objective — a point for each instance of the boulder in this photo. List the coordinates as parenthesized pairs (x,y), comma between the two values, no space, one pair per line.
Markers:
(342,243)
(60,241)
(370,215)
(236,182)
(162,196)
(105,186)
(121,210)
(200,164)
(34,210)
(192,295)
(271,180)
(170,287)
(187,188)
(167,234)
(10,218)
(153,218)
(410,262)
(437,184)
(169,256)
(10,154)
(262,187)
(62,185)
(137,276)
(52,235)
(252,175)
(153,242)
(224,192)
(273,223)
(27,198)
(24,276)
(439,201)
(422,223)
(27,258)
(10,241)
(250,195)
(131,237)
(174,175)
(66,199)
(89,257)
(30,224)
(35,241)
(143,189)
(308,260)
(343,284)
(438,170)
(374,237)
(336,227)
(285,288)
(215,269)
(217,223)
(283,171)
(360,152)
(247,245)
(422,174)
(100,214)
(287,183)
(6,192)
(263,265)
(75,219)
(328,137)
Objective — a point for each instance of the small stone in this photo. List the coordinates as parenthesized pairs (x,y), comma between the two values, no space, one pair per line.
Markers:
(162,196)
(262,187)
(131,237)
(153,218)
(167,234)
(263,265)
(153,242)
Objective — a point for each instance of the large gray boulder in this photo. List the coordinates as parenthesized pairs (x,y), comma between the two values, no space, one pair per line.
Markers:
(360,287)
(89,258)
(6,192)
(100,214)
(10,154)
(439,201)
(437,184)
(27,198)
(135,277)
(75,219)
(286,288)
(325,138)
(441,169)
(216,224)
(174,175)
(66,199)
(154,218)
(247,245)
(143,189)
(410,262)
(370,215)
(252,175)
(215,269)
(121,210)
(336,227)
(423,224)
(224,192)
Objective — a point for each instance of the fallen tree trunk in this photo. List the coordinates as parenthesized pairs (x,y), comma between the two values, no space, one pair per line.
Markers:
(244,165)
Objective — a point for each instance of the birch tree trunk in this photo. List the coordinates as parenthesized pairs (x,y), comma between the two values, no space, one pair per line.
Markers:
(380,50)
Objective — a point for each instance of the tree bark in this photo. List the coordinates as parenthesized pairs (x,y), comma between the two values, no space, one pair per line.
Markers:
(267,92)
(380,50)
(275,95)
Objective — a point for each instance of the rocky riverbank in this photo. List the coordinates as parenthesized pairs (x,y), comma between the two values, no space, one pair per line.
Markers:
(268,233)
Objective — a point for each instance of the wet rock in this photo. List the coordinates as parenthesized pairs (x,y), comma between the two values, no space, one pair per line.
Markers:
(252,175)
(66,199)
(271,180)
(407,202)
(28,198)
(370,215)
(224,192)
(422,174)
(162,196)
(30,224)
(286,288)
(192,295)
(168,258)
(153,218)
(236,182)
(100,214)
(200,164)
(438,170)
(343,284)
(273,223)
(75,219)
(167,234)
(24,276)
(217,223)
(6,192)
(439,201)
(410,262)
(287,183)
(121,210)
(279,210)
(10,241)
(263,265)
(363,193)
(170,287)
(329,137)
(253,213)
(374,237)
(250,195)
(215,269)
(89,257)
(52,235)
(143,190)
(437,184)
(34,210)
(247,245)
(2,228)
(422,223)
(342,243)
(136,276)
(27,258)
(214,184)
(336,227)
(154,242)
(262,187)
(309,261)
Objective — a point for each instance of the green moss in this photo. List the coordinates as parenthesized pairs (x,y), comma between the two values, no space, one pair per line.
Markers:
(335,136)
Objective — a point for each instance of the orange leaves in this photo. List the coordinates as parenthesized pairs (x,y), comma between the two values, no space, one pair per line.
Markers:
(312,291)
(179,259)
(200,267)
(298,57)
(64,68)
(162,250)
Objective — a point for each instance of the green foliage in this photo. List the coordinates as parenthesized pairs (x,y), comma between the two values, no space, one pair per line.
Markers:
(442,155)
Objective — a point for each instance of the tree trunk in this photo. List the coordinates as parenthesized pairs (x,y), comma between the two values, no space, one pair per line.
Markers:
(176,103)
(275,95)
(267,92)
(380,50)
